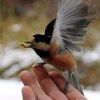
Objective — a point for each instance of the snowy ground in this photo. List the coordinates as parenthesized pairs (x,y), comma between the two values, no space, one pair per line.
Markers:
(11,90)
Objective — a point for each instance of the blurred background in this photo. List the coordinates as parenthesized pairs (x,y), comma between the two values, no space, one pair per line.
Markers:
(20,19)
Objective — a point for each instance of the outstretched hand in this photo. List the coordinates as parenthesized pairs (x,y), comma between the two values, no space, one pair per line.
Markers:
(46,86)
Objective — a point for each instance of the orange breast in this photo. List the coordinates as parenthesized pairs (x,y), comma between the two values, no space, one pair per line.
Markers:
(63,61)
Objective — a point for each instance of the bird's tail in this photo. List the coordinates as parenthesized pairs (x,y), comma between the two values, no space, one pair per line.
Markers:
(74,81)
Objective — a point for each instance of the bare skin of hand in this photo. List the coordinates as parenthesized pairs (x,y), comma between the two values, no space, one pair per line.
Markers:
(46,86)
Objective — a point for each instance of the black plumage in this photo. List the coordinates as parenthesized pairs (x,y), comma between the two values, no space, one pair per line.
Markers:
(49,28)
(46,38)
(42,38)
(42,53)
(48,33)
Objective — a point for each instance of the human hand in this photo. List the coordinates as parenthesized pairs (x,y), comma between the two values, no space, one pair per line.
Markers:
(46,86)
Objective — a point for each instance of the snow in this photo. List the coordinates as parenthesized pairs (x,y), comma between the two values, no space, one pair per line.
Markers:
(11,54)
(11,90)
(92,95)
(90,56)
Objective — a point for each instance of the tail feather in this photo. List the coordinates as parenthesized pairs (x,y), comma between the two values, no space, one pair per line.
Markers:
(74,81)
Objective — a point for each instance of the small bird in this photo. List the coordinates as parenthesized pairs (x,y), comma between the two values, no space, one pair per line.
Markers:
(62,35)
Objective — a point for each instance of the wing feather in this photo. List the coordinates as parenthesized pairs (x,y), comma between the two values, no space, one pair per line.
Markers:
(73,17)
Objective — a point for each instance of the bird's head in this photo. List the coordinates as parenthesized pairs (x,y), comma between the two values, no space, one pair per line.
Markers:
(39,43)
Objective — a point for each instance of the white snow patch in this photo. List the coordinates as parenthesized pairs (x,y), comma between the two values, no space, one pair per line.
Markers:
(92,95)
(10,90)
(25,57)
(89,56)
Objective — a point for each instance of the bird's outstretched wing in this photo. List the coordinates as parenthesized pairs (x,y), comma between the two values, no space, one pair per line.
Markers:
(72,19)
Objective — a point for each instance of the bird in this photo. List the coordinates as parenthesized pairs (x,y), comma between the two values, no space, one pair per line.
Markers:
(62,36)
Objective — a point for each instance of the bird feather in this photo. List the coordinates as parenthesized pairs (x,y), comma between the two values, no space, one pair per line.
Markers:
(72,20)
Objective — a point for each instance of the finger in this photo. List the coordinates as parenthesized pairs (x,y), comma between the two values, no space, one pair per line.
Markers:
(47,84)
(27,93)
(71,93)
(30,81)
(27,78)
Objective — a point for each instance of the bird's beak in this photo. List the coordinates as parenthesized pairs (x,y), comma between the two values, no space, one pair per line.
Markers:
(26,45)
